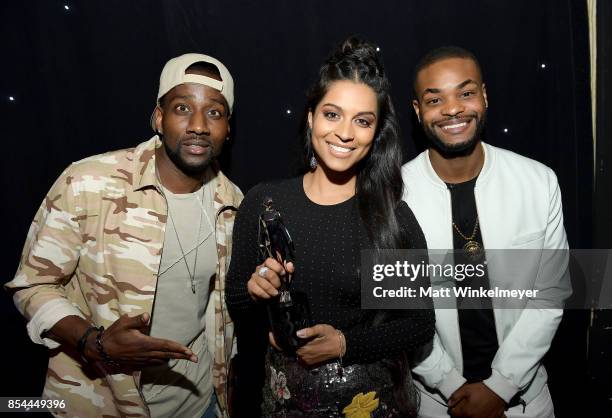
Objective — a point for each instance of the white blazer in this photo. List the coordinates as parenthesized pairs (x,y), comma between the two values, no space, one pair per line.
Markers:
(519,206)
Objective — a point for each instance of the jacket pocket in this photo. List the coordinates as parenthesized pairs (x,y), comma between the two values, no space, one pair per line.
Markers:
(525,239)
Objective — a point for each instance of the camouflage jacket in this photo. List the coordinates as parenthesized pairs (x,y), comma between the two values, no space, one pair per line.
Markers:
(94,247)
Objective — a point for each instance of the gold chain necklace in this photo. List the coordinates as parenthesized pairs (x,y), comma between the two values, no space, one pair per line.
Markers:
(472,248)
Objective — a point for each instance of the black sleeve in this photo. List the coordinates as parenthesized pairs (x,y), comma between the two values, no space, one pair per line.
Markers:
(401,330)
(244,254)
(250,320)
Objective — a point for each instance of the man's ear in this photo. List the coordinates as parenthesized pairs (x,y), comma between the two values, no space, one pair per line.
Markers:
(415,106)
(484,94)
(159,116)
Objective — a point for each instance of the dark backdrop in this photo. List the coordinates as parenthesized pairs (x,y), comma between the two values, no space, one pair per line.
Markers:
(83,77)
(600,333)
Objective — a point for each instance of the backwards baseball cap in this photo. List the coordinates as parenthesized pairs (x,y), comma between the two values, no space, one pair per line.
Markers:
(174,74)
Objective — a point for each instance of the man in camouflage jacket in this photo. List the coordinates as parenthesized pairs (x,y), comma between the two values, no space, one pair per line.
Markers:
(93,251)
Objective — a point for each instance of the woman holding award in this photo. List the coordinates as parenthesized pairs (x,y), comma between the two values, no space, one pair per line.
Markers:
(296,258)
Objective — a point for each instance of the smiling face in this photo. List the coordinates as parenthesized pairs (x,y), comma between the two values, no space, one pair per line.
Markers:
(451,104)
(343,125)
(193,121)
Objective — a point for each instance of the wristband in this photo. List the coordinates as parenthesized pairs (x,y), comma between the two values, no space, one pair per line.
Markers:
(80,348)
(105,357)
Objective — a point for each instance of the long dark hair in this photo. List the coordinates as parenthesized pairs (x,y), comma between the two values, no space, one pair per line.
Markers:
(379,181)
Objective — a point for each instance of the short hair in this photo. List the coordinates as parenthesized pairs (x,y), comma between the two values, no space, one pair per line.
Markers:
(442,53)
(205,67)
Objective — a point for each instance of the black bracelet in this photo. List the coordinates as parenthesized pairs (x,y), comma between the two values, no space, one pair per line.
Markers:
(80,348)
(105,357)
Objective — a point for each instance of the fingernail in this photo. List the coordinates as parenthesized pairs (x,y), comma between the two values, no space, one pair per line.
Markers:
(275,292)
(301,333)
(194,358)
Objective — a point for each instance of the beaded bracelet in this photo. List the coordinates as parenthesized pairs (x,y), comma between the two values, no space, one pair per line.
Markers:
(80,348)
(342,341)
(105,357)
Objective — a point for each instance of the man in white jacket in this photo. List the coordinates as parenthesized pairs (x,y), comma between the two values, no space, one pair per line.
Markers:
(470,196)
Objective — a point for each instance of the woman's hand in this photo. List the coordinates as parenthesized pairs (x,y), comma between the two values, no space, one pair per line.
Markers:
(327,344)
(267,278)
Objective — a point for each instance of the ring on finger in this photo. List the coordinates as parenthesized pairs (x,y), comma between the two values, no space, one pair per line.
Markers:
(262,271)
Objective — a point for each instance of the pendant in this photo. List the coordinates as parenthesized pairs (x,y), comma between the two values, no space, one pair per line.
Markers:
(473,250)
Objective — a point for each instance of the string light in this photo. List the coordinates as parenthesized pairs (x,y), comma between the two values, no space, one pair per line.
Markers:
(505,130)
(11,98)
(543,66)
(66,7)
(288,111)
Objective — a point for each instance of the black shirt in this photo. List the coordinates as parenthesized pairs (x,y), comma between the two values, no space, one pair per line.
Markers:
(327,251)
(476,321)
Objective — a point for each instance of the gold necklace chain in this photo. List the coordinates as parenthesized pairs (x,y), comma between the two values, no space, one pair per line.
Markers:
(474,231)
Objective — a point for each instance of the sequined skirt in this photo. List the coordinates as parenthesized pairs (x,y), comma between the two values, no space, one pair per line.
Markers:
(355,391)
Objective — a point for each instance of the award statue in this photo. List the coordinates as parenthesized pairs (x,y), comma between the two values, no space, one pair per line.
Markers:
(288,312)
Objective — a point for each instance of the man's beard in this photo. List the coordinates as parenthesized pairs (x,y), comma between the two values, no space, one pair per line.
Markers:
(184,166)
(456,150)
